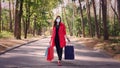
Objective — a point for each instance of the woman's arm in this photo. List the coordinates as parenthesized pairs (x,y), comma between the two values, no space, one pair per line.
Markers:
(65,34)
(51,33)
(67,38)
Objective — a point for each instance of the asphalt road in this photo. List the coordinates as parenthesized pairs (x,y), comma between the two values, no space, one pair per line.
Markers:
(33,56)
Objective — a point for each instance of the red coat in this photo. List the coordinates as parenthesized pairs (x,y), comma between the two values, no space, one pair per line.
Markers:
(62,33)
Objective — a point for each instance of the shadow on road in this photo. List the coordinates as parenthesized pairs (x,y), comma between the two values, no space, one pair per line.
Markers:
(33,56)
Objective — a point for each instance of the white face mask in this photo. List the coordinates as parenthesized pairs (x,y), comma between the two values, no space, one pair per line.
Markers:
(58,20)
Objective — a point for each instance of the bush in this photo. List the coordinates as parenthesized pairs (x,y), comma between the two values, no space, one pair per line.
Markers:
(5,34)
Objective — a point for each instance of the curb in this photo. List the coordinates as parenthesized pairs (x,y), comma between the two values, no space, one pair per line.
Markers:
(14,47)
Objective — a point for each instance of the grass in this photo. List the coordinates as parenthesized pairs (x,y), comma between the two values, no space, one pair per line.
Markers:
(115,40)
(6,34)
(111,46)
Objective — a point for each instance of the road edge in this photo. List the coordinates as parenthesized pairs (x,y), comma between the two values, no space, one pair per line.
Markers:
(17,46)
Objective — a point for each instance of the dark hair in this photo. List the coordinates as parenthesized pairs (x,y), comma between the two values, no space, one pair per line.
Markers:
(55,20)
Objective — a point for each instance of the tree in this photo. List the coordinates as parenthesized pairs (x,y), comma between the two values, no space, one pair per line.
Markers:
(68,11)
(114,10)
(27,19)
(100,26)
(34,29)
(10,15)
(104,19)
(18,15)
(96,22)
(13,11)
(118,9)
(89,17)
(82,19)
(0,15)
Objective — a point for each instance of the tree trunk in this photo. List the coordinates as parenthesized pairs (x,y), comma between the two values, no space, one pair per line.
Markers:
(69,28)
(39,31)
(115,3)
(89,18)
(114,10)
(82,20)
(16,19)
(24,24)
(118,9)
(0,17)
(100,24)
(108,10)
(27,23)
(13,11)
(18,12)
(73,18)
(104,16)
(10,27)
(96,22)
(34,30)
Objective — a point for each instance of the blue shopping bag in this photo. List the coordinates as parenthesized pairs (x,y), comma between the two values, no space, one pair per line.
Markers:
(69,53)
(46,51)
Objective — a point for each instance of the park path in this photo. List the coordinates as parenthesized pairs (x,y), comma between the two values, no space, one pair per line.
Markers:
(32,56)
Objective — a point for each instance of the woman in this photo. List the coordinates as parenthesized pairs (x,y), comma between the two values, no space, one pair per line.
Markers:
(58,37)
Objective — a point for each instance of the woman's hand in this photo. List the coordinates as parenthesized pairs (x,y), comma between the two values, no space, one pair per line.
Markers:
(49,42)
(68,39)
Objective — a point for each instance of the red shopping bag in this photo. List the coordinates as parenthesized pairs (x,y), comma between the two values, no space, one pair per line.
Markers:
(50,54)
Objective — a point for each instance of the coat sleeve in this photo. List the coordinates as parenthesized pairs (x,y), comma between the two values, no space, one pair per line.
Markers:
(52,34)
(64,30)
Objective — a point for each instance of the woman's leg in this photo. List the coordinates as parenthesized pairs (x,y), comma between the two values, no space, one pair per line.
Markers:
(59,50)
(60,53)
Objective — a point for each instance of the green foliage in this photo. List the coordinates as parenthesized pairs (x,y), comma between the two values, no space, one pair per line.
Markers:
(78,26)
(115,40)
(5,17)
(114,28)
(41,9)
(5,34)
